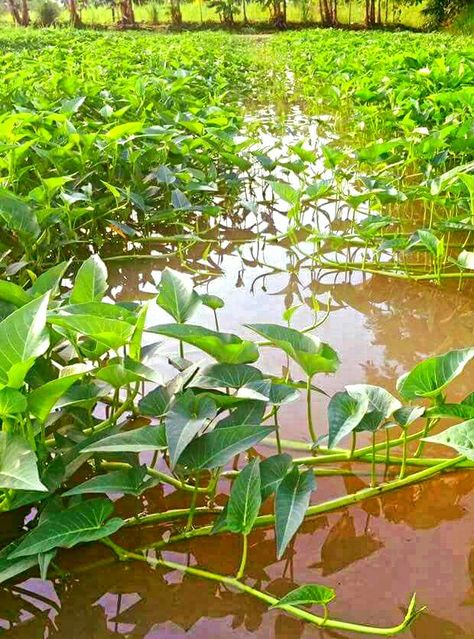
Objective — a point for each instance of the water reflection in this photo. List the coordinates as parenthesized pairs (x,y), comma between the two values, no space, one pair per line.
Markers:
(374,554)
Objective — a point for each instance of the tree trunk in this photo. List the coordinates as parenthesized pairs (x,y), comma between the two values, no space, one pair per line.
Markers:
(25,14)
(334,13)
(244,11)
(14,11)
(74,17)
(379,12)
(176,16)
(350,12)
(126,9)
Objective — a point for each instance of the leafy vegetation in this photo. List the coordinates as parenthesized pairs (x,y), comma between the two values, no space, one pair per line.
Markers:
(75,366)
(123,148)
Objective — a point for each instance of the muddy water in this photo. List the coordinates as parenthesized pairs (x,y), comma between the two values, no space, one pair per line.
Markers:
(374,554)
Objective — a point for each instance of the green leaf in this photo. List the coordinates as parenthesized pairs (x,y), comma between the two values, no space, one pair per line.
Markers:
(13,294)
(130,481)
(17,215)
(286,192)
(155,403)
(11,402)
(133,441)
(226,376)
(224,347)
(272,472)
(212,301)
(10,568)
(250,411)
(244,500)
(308,351)
(23,338)
(291,502)
(50,280)
(430,377)
(307,595)
(90,284)
(84,522)
(184,420)
(406,415)
(18,468)
(381,404)
(466,260)
(460,437)
(110,332)
(42,400)
(344,415)
(177,295)
(464,411)
(218,447)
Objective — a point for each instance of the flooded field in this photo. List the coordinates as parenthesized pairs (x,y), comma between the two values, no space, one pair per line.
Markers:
(289,237)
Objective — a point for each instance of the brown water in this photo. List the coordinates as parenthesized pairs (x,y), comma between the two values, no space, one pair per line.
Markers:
(375,554)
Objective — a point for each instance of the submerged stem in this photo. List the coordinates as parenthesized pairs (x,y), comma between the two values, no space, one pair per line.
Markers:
(412,612)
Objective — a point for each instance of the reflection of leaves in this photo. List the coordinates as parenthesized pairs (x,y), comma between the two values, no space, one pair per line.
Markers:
(426,505)
(343,546)
(430,626)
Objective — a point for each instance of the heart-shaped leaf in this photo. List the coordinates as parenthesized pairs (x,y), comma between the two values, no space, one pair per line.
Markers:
(86,521)
(218,447)
(460,437)
(23,338)
(308,351)
(430,377)
(244,500)
(272,472)
(308,595)
(177,295)
(133,441)
(90,284)
(184,420)
(291,502)
(224,347)
(344,415)
(18,469)
(130,481)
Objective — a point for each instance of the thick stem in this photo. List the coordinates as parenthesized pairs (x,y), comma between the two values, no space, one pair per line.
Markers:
(353,444)
(308,404)
(327,506)
(404,454)
(412,613)
(373,479)
(277,431)
(243,560)
(192,510)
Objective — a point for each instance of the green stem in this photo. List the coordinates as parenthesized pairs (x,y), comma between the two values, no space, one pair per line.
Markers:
(163,477)
(308,404)
(353,444)
(330,505)
(404,454)
(243,561)
(412,612)
(277,431)
(373,479)
(428,426)
(192,510)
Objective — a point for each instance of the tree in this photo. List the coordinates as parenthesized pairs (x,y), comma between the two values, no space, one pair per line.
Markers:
(20,16)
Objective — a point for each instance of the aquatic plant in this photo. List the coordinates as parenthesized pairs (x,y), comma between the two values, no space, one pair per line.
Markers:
(82,387)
